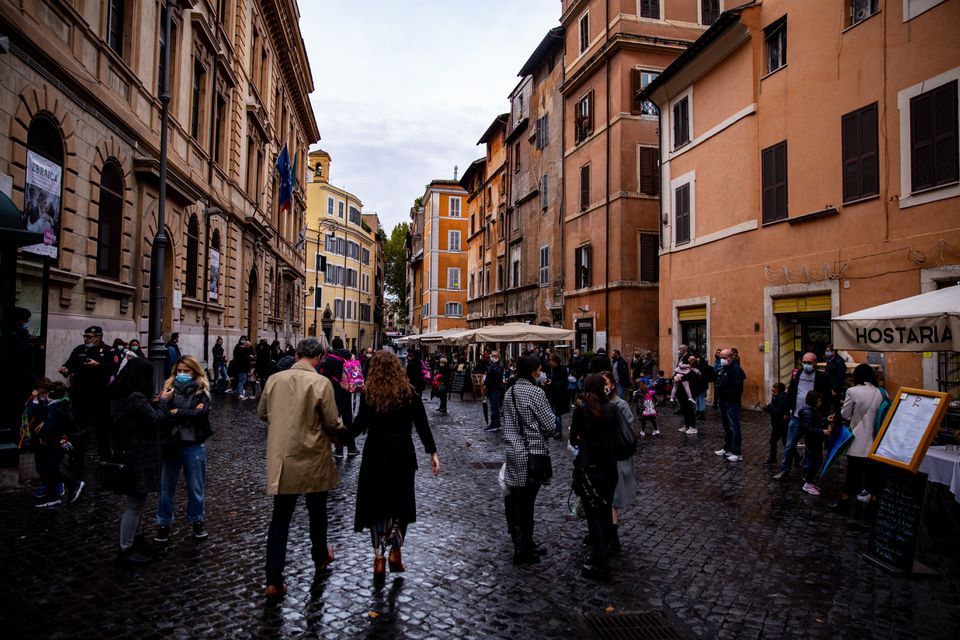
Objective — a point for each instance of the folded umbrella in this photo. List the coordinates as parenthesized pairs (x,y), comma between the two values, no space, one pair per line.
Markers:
(837,446)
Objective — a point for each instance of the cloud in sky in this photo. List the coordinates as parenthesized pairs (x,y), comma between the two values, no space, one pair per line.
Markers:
(403,90)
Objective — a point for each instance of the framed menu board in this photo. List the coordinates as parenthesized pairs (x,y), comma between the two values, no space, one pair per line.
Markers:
(909,428)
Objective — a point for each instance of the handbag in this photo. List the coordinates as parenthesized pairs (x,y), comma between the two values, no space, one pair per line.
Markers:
(539,466)
(116,477)
(584,489)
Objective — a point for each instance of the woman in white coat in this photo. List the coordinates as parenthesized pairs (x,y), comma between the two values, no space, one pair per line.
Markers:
(859,409)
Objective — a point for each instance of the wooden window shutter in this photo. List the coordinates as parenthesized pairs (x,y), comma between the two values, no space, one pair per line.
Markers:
(767,181)
(780,185)
(636,105)
(869,152)
(577,267)
(774,181)
(850,133)
(584,186)
(921,142)
(649,257)
(587,265)
(945,133)
(649,171)
(682,214)
(590,112)
(859,141)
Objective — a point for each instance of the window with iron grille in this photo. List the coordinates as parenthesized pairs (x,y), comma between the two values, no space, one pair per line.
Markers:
(933,138)
(860,10)
(774,178)
(859,145)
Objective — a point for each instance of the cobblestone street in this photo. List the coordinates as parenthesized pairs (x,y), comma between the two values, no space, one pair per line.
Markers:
(716,547)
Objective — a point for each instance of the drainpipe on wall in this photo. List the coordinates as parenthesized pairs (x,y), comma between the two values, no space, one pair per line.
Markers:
(606,174)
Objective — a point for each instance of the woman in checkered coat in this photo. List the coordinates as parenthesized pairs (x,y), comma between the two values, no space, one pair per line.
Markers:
(527,423)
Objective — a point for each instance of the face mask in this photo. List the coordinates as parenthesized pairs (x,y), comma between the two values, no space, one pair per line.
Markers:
(807,367)
(184,377)
(494,359)
(724,362)
(609,391)
(829,354)
(25,326)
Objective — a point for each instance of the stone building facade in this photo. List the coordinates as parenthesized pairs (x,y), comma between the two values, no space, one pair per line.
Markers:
(79,103)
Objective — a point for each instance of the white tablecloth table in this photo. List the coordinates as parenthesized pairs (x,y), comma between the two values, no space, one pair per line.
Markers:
(943,467)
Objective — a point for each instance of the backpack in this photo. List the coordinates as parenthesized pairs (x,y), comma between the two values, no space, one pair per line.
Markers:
(352,379)
(881,411)
(437,382)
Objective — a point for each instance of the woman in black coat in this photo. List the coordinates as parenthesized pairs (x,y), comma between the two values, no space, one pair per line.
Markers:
(390,409)
(558,393)
(135,438)
(593,430)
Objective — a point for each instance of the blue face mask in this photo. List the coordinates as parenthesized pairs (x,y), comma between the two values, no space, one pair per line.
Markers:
(184,377)
(828,354)
(808,368)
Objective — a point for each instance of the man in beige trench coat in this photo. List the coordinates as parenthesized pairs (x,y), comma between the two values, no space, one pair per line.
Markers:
(302,414)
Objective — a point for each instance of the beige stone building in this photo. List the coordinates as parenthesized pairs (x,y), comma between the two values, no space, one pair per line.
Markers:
(80,108)
(342,268)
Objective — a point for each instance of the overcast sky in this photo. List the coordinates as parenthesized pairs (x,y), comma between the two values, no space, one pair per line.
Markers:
(405,88)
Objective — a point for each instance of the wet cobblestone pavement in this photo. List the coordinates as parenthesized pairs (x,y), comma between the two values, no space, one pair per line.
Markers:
(716,547)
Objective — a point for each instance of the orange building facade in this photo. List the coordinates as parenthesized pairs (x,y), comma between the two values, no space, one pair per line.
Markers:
(610,235)
(437,262)
(806,182)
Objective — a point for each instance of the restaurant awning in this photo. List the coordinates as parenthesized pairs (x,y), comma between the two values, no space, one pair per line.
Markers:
(520,332)
(926,322)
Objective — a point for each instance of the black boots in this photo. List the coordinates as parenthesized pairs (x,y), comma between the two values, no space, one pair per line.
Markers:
(132,557)
(525,552)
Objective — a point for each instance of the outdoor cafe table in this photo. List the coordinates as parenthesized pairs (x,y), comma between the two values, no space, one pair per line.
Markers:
(942,465)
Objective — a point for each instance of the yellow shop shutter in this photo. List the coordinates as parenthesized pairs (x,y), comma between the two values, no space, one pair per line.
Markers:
(692,313)
(803,304)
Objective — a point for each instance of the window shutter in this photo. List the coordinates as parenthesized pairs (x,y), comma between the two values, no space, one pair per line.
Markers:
(850,126)
(945,133)
(781,180)
(584,186)
(921,142)
(577,267)
(636,105)
(649,258)
(590,112)
(649,171)
(682,214)
(588,263)
(869,179)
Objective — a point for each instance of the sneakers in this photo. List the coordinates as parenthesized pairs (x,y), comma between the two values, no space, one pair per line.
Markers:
(692,431)
(811,489)
(338,452)
(46,502)
(162,534)
(353,451)
(656,432)
(732,457)
(720,452)
(780,476)
(864,497)
(242,396)
(643,434)
(41,491)
(77,491)
(682,429)
(199,530)
(491,429)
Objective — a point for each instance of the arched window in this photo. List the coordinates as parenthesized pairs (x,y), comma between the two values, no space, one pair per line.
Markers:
(193,248)
(110,221)
(43,188)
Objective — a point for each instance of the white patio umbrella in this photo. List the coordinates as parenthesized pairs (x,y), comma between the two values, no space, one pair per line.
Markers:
(926,322)
(520,332)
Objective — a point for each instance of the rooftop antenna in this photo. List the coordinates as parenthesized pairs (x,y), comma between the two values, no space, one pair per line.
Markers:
(455,168)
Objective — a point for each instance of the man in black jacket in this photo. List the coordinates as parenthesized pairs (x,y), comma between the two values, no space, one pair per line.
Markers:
(836,369)
(621,373)
(89,369)
(599,362)
(494,383)
(802,382)
(729,390)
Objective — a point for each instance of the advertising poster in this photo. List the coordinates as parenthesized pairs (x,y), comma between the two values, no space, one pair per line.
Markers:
(41,203)
(214,273)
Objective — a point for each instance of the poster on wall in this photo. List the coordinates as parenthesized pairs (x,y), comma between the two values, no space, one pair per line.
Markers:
(41,203)
(214,273)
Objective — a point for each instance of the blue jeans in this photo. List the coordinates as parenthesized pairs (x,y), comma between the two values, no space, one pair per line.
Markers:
(790,449)
(559,423)
(702,404)
(242,384)
(193,459)
(730,417)
(494,398)
(220,371)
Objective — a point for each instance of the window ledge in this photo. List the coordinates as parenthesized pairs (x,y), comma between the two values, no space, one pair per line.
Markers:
(857,24)
(770,223)
(106,285)
(770,73)
(813,215)
(863,199)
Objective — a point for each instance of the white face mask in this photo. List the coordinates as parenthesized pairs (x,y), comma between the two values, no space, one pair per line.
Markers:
(724,362)
(807,367)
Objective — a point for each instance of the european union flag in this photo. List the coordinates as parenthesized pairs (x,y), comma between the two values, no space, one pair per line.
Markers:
(283,169)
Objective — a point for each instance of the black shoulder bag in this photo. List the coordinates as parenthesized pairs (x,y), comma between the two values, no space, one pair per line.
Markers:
(539,466)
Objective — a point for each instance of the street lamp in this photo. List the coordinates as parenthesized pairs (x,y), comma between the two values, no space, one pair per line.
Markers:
(157,351)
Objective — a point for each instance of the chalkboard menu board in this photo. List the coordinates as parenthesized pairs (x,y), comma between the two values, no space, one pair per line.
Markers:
(459,380)
(893,537)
